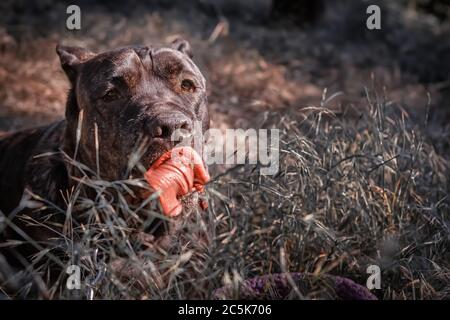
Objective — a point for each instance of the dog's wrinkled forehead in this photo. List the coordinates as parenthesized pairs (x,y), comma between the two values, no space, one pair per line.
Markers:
(132,63)
(170,61)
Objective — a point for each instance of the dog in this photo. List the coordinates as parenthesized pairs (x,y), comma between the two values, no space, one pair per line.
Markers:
(117,100)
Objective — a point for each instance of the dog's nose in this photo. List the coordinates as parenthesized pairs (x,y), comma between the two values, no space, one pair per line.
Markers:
(170,127)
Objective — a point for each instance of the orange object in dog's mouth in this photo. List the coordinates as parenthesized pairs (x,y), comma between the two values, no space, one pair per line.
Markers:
(175,174)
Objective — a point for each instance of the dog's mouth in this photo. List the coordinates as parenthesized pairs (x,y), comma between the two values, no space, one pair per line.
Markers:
(179,175)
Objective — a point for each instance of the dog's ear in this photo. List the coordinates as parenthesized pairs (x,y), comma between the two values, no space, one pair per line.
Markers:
(71,57)
(182,46)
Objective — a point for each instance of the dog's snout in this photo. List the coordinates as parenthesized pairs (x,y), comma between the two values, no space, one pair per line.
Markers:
(170,127)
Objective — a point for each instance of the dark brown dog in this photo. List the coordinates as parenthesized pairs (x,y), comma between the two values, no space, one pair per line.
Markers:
(125,97)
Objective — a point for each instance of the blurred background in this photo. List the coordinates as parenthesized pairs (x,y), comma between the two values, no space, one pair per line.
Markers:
(257,55)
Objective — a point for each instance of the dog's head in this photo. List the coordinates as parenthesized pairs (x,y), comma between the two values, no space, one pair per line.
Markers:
(132,99)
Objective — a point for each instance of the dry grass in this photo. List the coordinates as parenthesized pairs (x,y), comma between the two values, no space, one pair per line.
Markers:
(350,193)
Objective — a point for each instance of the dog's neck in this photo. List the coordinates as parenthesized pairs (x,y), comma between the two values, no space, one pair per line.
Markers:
(72,114)
(69,136)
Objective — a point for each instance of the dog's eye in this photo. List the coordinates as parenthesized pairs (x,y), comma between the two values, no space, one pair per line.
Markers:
(111,95)
(188,85)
